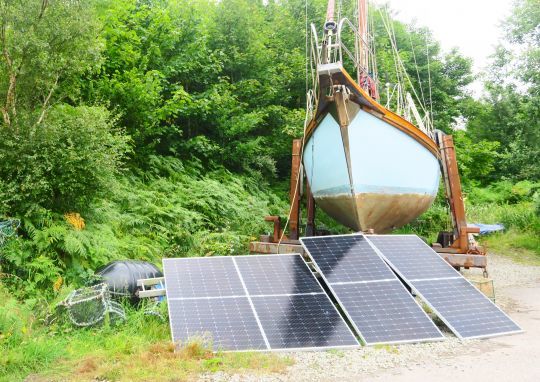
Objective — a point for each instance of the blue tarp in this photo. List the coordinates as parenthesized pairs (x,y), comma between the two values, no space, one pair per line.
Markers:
(486,229)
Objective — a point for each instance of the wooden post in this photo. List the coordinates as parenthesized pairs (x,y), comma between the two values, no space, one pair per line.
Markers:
(454,193)
(294,193)
(310,226)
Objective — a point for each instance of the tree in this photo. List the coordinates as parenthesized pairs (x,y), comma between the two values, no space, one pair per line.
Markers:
(510,113)
(52,154)
(46,46)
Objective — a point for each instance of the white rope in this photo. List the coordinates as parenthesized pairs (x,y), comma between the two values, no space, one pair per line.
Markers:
(429,83)
(417,71)
(402,71)
(306,122)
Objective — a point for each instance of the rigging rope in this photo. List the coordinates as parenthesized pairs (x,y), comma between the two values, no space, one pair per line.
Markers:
(429,79)
(398,62)
(417,71)
(309,96)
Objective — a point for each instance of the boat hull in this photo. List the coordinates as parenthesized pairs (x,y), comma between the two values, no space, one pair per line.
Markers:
(369,174)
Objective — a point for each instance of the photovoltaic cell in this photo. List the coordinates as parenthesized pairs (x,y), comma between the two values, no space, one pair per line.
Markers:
(300,321)
(376,302)
(413,257)
(268,302)
(383,312)
(465,308)
(346,258)
(263,275)
(225,323)
(201,277)
(462,307)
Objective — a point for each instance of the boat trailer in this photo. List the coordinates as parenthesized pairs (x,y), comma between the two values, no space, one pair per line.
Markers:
(458,247)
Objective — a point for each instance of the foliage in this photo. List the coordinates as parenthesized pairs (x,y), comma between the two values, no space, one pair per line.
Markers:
(175,211)
(510,113)
(46,46)
(476,159)
(54,167)
(138,350)
(504,192)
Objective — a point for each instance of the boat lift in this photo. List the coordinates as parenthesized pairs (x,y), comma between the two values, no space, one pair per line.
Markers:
(458,247)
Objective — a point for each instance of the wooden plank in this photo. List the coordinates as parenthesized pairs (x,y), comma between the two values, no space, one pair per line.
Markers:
(151,293)
(271,248)
(151,281)
(465,260)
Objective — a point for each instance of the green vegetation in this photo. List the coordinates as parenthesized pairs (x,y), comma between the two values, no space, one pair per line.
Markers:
(148,129)
(136,351)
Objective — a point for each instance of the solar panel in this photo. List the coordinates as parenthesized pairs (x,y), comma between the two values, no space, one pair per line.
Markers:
(465,308)
(202,277)
(224,323)
(264,275)
(302,321)
(372,297)
(268,302)
(413,257)
(462,307)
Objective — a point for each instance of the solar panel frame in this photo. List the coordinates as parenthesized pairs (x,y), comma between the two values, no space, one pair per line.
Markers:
(441,337)
(479,296)
(196,317)
(429,304)
(271,330)
(414,269)
(246,294)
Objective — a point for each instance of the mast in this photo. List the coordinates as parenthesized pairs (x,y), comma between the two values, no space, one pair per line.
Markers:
(363,43)
(366,69)
(329,28)
(330,11)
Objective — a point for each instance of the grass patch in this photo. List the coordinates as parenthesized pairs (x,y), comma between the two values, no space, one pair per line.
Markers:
(138,350)
(522,247)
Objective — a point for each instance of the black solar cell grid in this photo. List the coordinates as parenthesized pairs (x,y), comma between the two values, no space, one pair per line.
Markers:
(202,277)
(384,312)
(465,309)
(302,321)
(263,275)
(346,258)
(412,256)
(371,295)
(221,298)
(225,323)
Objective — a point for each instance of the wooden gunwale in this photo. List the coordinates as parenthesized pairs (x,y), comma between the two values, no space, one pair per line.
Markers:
(376,109)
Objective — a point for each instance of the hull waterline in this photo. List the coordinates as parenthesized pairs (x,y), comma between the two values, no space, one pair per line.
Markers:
(369,170)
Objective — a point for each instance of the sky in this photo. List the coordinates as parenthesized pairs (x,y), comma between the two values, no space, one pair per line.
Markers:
(470,25)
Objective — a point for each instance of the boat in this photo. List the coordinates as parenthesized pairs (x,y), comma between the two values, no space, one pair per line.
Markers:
(368,167)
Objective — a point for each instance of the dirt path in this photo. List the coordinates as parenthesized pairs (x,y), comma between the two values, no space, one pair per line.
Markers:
(510,358)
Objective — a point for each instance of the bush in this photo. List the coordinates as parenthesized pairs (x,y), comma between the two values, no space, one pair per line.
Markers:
(62,164)
(503,192)
(171,210)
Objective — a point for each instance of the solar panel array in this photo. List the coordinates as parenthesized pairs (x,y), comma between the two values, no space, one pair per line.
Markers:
(266,302)
(462,307)
(372,297)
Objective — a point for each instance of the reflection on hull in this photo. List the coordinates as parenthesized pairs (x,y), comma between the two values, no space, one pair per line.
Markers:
(377,211)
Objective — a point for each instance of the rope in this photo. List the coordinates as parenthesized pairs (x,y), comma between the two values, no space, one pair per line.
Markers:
(398,62)
(306,121)
(429,79)
(417,71)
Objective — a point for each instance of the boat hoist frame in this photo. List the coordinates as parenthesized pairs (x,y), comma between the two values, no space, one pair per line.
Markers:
(458,247)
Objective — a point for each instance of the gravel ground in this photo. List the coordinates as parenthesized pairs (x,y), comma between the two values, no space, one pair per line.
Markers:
(360,364)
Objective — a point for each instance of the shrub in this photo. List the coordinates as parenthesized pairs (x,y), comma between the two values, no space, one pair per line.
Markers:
(62,164)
